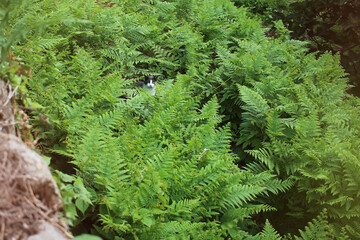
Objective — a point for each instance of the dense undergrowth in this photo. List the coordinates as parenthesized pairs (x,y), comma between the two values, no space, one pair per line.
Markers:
(327,25)
(248,136)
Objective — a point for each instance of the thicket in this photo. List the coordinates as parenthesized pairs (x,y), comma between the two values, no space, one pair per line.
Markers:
(328,25)
(247,135)
(267,10)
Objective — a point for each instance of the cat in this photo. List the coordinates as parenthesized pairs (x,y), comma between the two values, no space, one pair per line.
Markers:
(148,84)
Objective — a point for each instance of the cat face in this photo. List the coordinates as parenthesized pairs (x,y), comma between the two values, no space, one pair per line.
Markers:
(149,84)
(150,81)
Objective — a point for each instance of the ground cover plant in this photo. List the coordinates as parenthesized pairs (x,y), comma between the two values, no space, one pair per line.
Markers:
(331,25)
(247,137)
(327,25)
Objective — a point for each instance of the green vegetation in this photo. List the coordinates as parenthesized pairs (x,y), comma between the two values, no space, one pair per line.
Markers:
(328,25)
(248,136)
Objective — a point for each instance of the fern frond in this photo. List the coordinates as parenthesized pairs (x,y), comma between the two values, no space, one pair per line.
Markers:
(240,195)
(255,105)
(268,233)
(316,229)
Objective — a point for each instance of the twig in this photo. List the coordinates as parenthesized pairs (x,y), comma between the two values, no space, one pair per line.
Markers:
(2,230)
(201,154)
(10,95)
(223,83)
(55,224)
(36,201)
(7,124)
(27,108)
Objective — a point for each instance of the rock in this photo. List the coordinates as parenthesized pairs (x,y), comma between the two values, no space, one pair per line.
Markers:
(30,200)
(47,231)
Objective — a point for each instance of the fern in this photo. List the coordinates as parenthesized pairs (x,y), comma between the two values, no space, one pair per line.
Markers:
(255,106)
(317,229)
(268,233)
(163,167)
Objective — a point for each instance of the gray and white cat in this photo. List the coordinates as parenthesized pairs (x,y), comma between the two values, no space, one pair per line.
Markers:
(149,84)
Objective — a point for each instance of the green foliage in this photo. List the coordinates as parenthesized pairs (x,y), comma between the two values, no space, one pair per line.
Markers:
(146,167)
(19,19)
(330,25)
(317,229)
(9,35)
(306,132)
(163,172)
(87,237)
(166,172)
(162,167)
(268,10)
